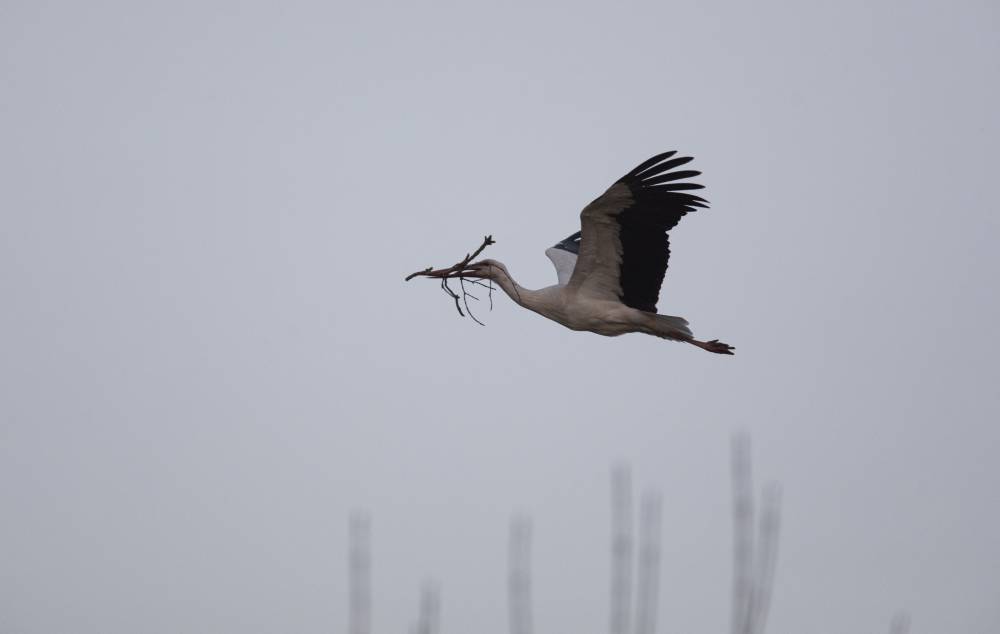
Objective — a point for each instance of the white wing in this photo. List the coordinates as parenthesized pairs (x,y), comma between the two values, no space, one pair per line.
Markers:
(564,255)
(564,261)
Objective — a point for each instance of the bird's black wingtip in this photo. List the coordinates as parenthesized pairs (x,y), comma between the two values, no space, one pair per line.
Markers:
(654,177)
(570,244)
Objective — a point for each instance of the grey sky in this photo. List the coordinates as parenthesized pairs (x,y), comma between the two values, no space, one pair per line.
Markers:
(210,357)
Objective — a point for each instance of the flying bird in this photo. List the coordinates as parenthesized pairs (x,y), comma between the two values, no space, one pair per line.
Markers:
(610,272)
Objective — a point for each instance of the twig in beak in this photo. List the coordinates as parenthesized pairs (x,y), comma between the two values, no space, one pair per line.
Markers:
(463,272)
(456,270)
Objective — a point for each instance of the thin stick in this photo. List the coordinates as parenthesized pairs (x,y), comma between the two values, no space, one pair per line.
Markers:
(465,300)
(455,270)
(463,272)
(453,295)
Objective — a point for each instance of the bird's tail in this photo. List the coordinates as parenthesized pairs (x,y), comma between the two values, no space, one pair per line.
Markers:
(670,327)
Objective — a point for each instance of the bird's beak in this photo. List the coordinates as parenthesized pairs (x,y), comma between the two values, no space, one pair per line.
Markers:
(479,269)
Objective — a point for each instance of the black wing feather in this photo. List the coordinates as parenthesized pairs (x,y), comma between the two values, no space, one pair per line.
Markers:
(679,186)
(653,161)
(663,167)
(643,226)
(672,176)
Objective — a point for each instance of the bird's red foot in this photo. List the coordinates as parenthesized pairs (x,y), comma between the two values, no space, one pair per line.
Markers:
(715,346)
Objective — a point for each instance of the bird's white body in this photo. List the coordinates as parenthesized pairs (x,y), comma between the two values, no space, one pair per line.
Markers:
(576,310)
(581,313)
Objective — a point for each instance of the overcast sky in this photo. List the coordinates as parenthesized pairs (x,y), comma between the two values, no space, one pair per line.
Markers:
(209,355)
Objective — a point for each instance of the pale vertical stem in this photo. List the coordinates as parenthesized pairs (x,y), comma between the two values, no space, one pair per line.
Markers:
(520,611)
(766,557)
(429,617)
(648,590)
(621,550)
(742,535)
(359,574)
(900,624)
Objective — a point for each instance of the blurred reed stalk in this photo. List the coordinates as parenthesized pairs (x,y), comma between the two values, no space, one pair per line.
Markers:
(429,616)
(621,550)
(754,555)
(359,574)
(900,624)
(519,606)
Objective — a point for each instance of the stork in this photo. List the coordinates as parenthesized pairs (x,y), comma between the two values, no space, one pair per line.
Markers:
(610,272)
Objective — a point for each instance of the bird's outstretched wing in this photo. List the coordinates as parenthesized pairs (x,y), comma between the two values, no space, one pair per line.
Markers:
(563,255)
(624,247)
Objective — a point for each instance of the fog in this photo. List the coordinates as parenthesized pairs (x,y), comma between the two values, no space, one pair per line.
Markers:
(211,360)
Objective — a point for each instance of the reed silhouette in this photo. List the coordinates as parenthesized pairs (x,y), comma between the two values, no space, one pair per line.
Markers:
(755,556)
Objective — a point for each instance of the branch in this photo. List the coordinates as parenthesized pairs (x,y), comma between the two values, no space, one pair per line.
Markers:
(455,270)
(463,272)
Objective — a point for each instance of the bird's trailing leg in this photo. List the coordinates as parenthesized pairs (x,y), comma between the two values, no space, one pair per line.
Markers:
(714,345)
(676,329)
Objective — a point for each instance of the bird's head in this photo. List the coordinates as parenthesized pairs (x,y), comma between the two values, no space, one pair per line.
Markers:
(488,269)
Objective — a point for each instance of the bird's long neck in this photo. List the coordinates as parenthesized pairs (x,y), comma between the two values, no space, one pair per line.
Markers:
(523,296)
